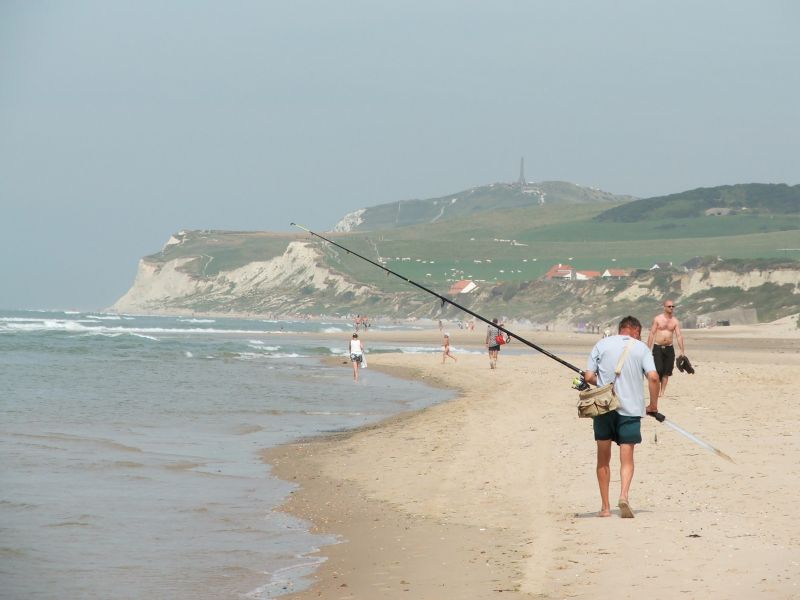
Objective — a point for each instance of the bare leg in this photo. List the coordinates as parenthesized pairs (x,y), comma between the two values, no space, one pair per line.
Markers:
(355,371)
(625,471)
(664,381)
(604,475)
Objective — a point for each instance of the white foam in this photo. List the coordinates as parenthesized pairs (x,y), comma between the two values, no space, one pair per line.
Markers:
(101,334)
(415,349)
(332,330)
(282,580)
(197,320)
(84,325)
(263,348)
(141,335)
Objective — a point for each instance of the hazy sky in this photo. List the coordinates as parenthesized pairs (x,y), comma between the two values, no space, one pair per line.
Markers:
(124,121)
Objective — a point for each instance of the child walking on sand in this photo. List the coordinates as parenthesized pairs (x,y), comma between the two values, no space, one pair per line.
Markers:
(446,348)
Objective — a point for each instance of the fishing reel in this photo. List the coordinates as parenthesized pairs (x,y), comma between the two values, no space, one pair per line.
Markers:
(579,383)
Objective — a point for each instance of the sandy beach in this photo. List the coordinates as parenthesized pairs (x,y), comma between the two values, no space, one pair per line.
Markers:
(494,494)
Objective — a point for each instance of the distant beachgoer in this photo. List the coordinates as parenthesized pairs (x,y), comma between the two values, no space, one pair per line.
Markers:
(440,325)
(622,425)
(664,327)
(492,333)
(446,348)
(356,355)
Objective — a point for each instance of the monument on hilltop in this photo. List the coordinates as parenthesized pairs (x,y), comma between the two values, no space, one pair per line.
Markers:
(523,183)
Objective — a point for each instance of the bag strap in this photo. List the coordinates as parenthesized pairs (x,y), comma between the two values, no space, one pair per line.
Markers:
(622,358)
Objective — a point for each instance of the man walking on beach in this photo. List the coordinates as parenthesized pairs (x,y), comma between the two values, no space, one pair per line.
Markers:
(665,327)
(623,425)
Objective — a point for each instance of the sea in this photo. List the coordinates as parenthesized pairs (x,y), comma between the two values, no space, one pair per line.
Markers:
(130,449)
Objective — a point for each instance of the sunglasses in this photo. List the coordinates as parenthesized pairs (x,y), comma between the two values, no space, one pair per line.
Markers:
(669,306)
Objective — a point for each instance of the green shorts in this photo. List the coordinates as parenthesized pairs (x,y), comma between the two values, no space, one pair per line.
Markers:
(617,428)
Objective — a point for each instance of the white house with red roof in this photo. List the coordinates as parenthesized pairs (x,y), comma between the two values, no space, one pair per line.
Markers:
(559,271)
(616,273)
(585,275)
(465,286)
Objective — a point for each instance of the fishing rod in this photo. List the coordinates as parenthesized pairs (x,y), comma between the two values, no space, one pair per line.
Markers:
(578,383)
(444,300)
(690,436)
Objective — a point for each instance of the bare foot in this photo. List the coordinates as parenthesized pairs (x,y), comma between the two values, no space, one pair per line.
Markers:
(604,513)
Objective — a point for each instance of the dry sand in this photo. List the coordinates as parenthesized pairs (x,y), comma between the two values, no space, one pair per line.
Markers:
(494,495)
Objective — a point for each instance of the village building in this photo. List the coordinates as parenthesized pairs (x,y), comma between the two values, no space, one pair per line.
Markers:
(464,286)
(616,274)
(718,212)
(585,275)
(559,271)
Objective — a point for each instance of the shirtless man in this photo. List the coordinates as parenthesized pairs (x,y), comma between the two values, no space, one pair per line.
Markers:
(665,327)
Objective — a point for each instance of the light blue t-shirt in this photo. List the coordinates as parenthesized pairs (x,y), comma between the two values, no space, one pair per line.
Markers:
(628,386)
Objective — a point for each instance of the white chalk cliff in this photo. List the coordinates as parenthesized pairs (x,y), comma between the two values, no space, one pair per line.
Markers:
(270,285)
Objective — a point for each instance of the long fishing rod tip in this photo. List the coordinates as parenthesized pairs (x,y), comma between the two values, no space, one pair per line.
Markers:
(721,454)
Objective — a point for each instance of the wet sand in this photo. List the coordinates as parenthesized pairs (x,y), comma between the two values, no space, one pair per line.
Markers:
(494,495)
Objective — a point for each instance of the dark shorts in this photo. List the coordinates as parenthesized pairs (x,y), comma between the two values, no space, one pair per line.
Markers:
(494,348)
(356,358)
(617,428)
(664,357)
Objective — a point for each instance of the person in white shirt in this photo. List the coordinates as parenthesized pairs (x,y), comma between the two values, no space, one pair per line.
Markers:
(356,355)
(623,425)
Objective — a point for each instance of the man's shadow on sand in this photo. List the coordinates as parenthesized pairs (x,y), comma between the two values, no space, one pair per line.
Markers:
(614,514)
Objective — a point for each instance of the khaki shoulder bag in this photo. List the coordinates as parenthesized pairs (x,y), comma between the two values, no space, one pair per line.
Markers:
(603,399)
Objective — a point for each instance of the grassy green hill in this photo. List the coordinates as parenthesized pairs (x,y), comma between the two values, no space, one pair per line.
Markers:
(750,199)
(521,244)
(481,200)
(516,244)
(214,250)
(509,249)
